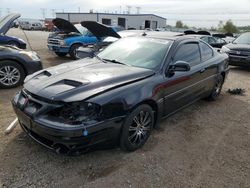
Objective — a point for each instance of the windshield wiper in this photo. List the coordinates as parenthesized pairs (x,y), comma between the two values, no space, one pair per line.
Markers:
(114,61)
(100,59)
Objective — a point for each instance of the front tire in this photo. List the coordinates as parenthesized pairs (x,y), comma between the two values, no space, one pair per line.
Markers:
(72,51)
(216,89)
(11,74)
(137,128)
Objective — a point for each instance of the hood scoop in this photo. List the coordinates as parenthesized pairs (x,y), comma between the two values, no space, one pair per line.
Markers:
(62,86)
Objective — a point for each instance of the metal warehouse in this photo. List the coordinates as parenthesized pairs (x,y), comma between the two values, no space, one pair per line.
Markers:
(136,21)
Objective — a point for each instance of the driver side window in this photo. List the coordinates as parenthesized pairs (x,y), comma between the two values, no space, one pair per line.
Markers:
(189,53)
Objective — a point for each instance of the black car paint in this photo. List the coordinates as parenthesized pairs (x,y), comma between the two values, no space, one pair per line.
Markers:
(100,30)
(118,96)
(13,53)
(65,25)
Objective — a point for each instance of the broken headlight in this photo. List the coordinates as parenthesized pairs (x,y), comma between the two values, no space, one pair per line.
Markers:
(77,113)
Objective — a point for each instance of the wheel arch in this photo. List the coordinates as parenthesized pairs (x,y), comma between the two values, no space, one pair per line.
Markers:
(16,61)
(153,104)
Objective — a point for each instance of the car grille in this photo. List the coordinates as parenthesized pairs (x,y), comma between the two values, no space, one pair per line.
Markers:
(239,53)
(53,41)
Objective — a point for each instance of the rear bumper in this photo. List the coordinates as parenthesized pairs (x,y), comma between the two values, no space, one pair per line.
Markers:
(69,141)
(56,48)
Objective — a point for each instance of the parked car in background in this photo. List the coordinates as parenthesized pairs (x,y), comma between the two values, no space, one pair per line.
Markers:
(15,65)
(5,24)
(32,26)
(227,37)
(119,95)
(239,50)
(69,38)
(215,42)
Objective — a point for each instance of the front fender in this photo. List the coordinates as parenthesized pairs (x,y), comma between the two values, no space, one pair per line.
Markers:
(122,100)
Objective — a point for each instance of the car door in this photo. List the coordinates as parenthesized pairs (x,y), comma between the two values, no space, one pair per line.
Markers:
(208,68)
(181,89)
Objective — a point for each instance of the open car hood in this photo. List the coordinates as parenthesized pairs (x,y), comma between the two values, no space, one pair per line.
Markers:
(6,22)
(65,25)
(100,30)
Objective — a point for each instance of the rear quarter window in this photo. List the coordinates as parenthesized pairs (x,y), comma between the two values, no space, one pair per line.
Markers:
(206,51)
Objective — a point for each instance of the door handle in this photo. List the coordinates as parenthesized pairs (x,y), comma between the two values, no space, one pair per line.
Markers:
(202,70)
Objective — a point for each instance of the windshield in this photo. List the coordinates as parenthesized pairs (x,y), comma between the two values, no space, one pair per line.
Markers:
(243,39)
(139,52)
(81,29)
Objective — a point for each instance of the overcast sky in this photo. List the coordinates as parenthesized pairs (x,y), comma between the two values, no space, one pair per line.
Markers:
(199,13)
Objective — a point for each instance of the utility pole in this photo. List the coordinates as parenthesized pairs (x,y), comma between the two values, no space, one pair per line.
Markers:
(79,9)
(129,9)
(43,10)
(138,10)
(53,12)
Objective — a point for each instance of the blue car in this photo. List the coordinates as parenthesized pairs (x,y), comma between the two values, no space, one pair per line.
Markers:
(5,24)
(69,38)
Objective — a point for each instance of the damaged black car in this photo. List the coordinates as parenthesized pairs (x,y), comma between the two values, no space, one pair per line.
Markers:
(119,95)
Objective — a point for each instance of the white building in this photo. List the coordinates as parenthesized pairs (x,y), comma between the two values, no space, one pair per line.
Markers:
(137,21)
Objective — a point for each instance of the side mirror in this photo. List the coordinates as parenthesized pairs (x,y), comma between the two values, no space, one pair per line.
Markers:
(180,66)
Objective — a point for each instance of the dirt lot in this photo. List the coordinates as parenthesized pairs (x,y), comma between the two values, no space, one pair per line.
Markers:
(205,145)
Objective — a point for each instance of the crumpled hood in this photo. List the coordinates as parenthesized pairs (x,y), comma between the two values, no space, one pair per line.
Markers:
(6,22)
(240,47)
(82,79)
(65,25)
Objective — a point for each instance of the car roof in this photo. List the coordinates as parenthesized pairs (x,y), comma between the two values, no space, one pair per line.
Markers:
(174,36)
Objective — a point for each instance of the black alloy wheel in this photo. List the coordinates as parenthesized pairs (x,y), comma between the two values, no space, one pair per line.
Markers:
(137,128)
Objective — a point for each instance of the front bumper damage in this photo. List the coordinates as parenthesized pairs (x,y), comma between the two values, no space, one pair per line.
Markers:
(66,140)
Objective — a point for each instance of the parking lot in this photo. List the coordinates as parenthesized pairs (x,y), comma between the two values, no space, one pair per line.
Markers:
(204,145)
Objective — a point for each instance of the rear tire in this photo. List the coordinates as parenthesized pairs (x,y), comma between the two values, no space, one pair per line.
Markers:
(216,89)
(72,51)
(11,74)
(137,128)
(61,54)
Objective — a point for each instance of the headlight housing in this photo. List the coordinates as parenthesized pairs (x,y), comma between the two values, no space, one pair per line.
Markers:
(62,43)
(32,55)
(77,113)
(224,49)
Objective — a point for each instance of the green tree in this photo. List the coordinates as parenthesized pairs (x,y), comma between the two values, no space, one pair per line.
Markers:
(229,27)
(179,24)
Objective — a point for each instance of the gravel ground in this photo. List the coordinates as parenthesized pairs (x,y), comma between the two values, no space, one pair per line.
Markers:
(204,145)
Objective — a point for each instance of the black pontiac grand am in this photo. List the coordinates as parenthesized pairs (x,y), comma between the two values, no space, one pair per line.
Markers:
(119,95)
